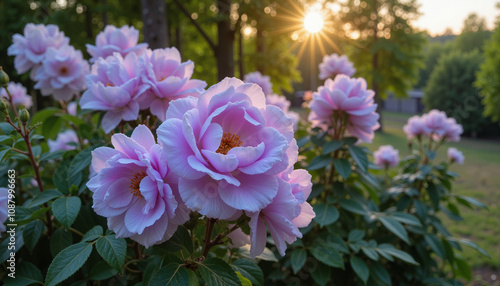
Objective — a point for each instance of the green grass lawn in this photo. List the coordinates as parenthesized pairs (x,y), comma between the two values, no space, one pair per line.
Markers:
(479,178)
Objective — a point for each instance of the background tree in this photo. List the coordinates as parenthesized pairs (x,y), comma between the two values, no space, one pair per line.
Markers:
(488,78)
(154,19)
(433,52)
(450,89)
(387,49)
(474,34)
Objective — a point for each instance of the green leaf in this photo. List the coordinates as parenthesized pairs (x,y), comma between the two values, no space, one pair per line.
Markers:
(433,194)
(359,157)
(377,270)
(44,197)
(355,235)
(32,232)
(249,270)
(26,274)
(34,215)
(102,271)
(66,209)
(331,146)
(319,162)
(113,250)
(325,214)
(60,239)
(353,206)
(67,262)
(243,280)
(81,161)
(60,177)
(470,200)
(395,227)
(463,268)
(172,274)
(327,254)
(349,140)
(321,274)
(360,268)
(406,218)
(42,115)
(435,244)
(216,271)
(51,127)
(93,233)
(180,240)
(370,252)
(390,250)
(468,243)
(52,155)
(343,167)
(298,259)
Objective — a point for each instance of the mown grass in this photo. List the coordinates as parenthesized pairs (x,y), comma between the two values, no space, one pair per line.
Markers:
(479,178)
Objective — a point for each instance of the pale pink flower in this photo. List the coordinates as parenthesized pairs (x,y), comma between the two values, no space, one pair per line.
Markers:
(63,141)
(72,108)
(263,81)
(333,65)
(348,97)
(415,127)
(455,156)
(18,93)
(386,156)
(116,40)
(284,104)
(435,121)
(453,130)
(168,79)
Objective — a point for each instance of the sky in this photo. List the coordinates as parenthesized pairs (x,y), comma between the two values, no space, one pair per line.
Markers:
(437,15)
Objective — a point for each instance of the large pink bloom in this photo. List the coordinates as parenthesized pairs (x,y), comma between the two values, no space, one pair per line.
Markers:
(4,196)
(435,121)
(168,79)
(264,81)
(386,156)
(19,95)
(113,40)
(284,104)
(333,65)
(29,49)
(227,147)
(346,96)
(115,86)
(135,189)
(62,73)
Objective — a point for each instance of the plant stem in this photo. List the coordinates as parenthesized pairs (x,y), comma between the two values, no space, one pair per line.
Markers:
(76,231)
(209,228)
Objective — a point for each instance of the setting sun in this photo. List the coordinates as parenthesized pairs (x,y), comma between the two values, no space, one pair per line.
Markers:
(313,22)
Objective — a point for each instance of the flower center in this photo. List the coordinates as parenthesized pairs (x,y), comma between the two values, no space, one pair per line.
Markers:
(228,142)
(135,182)
(63,70)
(109,84)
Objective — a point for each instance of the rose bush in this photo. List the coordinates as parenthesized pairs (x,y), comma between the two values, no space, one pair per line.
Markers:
(173,184)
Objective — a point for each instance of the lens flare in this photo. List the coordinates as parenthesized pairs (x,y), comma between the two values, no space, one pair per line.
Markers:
(313,22)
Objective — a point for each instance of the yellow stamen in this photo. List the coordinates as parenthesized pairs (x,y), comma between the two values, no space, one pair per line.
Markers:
(109,84)
(135,182)
(228,142)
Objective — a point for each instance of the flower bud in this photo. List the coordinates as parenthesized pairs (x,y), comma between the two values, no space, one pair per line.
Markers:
(4,106)
(24,115)
(4,78)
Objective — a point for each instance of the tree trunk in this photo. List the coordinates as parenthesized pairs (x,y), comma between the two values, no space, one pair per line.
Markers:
(261,49)
(104,12)
(225,43)
(375,87)
(154,19)
(240,55)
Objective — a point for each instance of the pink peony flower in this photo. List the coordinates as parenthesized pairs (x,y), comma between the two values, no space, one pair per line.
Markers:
(4,197)
(168,79)
(283,104)
(455,156)
(72,108)
(227,147)
(349,97)
(435,121)
(333,65)
(386,156)
(115,86)
(238,238)
(62,73)
(62,140)
(453,130)
(29,49)
(113,40)
(135,189)
(415,127)
(261,80)
(19,95)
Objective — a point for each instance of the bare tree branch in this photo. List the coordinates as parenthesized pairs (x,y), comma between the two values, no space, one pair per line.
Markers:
(198,27)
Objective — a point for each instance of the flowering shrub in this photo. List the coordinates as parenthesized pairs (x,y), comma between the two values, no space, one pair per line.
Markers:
(173,184)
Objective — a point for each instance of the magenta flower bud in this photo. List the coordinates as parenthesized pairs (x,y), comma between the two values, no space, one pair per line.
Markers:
(333,65)
(263,81)
(386,156)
